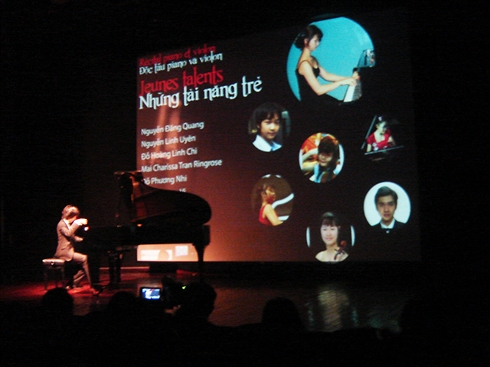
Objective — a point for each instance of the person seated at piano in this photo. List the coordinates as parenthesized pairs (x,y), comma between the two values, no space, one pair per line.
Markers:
(266,124)
(333,238)
(67,239)
(322,163)
(381,138)
(267,214)
(308,69)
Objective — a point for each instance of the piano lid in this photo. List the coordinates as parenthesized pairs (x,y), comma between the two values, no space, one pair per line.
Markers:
(151,206)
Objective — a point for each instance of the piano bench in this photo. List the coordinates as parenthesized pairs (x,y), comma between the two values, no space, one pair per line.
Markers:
(56,266)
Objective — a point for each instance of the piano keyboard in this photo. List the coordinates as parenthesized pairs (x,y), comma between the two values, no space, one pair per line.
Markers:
(354,92)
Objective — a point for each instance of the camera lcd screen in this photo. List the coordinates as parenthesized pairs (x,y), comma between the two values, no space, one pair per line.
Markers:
(150,293)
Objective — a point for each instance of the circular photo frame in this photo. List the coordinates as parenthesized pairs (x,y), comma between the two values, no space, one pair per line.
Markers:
(387,204)
(344,47)
(330,237)
(269,126)
(321,157)
(272,200)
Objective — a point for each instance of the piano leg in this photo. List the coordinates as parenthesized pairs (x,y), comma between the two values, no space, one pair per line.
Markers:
(94,266)
(200,260)
(114,267)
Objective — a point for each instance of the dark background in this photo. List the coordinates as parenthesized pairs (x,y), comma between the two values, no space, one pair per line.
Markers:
(68,115)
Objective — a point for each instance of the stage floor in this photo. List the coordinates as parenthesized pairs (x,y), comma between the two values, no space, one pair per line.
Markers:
(324,304)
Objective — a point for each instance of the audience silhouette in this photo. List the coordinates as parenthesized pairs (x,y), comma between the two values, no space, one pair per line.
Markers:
(176,331)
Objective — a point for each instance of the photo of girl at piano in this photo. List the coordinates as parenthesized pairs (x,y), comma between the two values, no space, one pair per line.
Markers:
(272,200)
(321,157)
(309,70)
(381,138)
(267,214)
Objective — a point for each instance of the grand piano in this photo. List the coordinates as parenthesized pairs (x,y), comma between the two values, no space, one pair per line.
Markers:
(156,217)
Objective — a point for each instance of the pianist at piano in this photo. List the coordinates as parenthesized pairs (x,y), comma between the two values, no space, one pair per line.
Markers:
(309,69)
(381,138)
(67,240)
(156,216)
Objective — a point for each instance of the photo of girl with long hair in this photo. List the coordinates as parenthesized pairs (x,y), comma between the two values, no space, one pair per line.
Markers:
(272,200)
(336,242)
(327,60)
(308,69)
(321,157)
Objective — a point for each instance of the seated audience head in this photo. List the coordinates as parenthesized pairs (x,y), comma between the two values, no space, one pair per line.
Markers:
(281,312)
(197,301)
(58,301)
(121,303)
(172,295)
